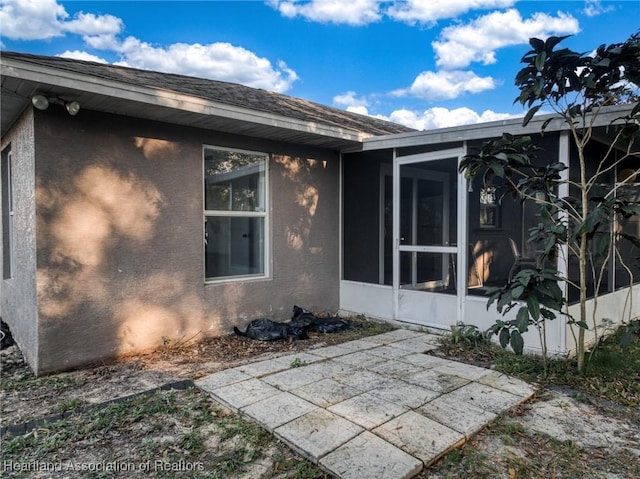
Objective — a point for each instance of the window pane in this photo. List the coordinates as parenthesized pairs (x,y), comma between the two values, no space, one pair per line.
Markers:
(434,272)
(234,181)
(234,246)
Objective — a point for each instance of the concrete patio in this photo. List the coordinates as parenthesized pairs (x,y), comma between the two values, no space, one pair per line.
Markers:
(377,407)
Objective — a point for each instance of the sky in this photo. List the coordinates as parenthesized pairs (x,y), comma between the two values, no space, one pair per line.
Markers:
(422,63)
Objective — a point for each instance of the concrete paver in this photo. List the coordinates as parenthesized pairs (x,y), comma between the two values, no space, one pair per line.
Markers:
(277,410)
(403,393)
(367,410)
(326,392)
(368,456)
(262,368)
(415,344)
(318,433)
(394,369)
(484,397)
(361,359)
(437,381)
(420,436)
(467,419)
(241,394)
(466,371)
(511,385)
(378,407)
(221,379)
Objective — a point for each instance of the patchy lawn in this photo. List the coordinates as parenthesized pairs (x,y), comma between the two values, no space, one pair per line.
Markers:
(579,426)
(585,426)
(163,434)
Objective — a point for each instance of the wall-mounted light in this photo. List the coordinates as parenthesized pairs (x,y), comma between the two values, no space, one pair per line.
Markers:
(73,107)
(41,102)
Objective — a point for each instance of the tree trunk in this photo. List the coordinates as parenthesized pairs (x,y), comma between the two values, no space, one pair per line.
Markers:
(582,260)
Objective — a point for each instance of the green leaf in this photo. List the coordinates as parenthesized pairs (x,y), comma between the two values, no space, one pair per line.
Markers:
(534,307)
(517,343)
(604,62)
(517,292)
(536,44)
(553,41)
(498,170)
(529,115)
(582,324)
(504,337)
(522,319)
(538,86)
(540,59)
(547,314)
(545,124)
(630,209)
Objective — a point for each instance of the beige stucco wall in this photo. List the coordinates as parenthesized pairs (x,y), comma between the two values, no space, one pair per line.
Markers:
(18,294)
(120,237)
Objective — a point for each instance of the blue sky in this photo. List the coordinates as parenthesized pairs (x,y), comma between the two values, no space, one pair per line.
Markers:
(423,63)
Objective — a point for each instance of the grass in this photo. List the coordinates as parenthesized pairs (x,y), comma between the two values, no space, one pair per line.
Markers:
(181,434)
(507,449)
(612,370)
(161,429)
(26,381)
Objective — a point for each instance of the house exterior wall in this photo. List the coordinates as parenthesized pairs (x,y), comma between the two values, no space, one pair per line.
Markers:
(18,294)
(609,312)
(120,253)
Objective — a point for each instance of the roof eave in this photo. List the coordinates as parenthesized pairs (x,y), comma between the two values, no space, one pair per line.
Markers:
(169,99)
(494,129)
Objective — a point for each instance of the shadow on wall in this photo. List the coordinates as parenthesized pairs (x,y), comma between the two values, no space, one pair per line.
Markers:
(307,221)
(103,286)
(305,196)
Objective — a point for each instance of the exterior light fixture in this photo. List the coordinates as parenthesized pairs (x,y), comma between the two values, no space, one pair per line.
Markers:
(73,107)
(41,102)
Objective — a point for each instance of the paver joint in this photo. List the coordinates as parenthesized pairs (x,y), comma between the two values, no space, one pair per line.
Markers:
(378,407)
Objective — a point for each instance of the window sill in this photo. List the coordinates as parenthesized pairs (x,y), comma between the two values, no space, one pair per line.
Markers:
(237,279)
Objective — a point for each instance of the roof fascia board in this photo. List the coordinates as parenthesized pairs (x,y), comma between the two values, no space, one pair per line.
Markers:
(166,98)
(487,130)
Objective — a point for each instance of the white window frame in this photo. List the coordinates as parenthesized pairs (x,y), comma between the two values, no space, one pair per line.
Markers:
(266,214)
(8,257)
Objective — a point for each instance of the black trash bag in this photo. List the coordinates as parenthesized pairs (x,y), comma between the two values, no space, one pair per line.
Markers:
(301,323)
(265,329)
(305,318)
(6,339)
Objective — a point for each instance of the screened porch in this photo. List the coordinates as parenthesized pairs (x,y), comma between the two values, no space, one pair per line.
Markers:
(421,245)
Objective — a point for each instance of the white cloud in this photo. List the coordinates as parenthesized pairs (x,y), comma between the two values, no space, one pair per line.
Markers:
(44,19)
(353,12)
(32,19)
(446,85)
(443,118)
(430,11)
(478,40)
(350,100)
(88,24)
(593,8)
(78,55)
(219,61)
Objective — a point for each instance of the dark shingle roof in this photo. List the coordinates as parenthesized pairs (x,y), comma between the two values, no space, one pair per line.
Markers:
(223,92)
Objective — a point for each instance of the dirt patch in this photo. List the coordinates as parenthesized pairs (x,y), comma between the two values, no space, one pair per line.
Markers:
(25,397)
(561,433)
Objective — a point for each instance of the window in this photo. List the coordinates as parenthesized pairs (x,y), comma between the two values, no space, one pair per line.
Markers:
(7,215)
(488,208)
(235,213)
